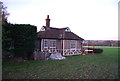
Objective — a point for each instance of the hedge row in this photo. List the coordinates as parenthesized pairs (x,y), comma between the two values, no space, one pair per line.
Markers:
(18,40)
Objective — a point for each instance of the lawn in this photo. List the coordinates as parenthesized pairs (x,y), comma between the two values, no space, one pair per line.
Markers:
(92,66)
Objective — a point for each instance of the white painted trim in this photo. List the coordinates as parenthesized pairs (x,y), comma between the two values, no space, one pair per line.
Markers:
(75,52)
(63,47)
(68,30)
(41,44)
(72,54)
(42,29)
(88,50)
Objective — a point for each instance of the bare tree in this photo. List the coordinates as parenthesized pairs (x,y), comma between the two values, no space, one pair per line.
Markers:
(3,13)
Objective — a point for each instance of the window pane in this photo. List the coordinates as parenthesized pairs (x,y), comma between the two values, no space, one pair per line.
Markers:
(45,43)
(52,43)
(73,43)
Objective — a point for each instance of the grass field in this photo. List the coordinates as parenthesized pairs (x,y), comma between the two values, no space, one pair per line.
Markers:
(92,66)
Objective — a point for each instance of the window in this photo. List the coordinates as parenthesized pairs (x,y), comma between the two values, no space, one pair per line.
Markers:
(52,43)
(45,43)
(73,43)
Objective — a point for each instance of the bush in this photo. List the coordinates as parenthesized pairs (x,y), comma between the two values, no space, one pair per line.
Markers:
(97,50)
(18,39)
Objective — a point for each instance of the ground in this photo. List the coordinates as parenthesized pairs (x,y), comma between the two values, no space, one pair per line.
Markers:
(92,66)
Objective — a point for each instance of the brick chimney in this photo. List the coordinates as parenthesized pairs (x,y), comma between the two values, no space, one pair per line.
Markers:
(47,21)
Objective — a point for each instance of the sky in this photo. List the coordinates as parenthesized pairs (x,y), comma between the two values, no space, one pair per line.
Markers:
(90,19)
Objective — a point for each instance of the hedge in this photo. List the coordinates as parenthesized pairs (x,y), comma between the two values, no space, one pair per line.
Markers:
(18,40)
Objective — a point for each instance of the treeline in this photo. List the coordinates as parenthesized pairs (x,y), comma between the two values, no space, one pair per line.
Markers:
(18,40)
(113,43)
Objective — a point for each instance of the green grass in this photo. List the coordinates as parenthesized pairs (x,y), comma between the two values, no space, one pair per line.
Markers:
(92,66)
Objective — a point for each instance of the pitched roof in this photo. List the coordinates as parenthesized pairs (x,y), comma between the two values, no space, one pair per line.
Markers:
(57,33)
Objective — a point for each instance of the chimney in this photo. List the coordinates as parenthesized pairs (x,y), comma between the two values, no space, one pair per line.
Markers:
(47,21)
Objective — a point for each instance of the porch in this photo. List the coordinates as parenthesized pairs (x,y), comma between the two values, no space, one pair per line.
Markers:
(64,52)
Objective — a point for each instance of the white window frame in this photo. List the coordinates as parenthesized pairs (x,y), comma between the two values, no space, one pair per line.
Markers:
(52,44)
(73,42)
(45,44)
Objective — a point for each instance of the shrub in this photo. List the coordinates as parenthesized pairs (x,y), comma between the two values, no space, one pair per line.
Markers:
(19,39)
(97,50)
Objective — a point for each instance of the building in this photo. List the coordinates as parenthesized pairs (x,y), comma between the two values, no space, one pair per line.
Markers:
(60,40)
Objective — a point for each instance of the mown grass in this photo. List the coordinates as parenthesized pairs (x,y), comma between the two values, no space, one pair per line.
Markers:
(92,66)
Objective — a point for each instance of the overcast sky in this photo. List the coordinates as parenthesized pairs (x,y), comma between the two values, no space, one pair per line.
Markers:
(90,19)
